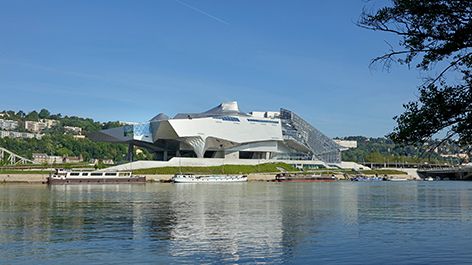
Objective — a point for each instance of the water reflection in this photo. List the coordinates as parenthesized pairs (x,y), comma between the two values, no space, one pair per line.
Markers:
(232,223)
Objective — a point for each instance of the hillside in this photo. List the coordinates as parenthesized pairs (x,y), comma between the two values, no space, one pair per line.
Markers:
(59,141)
(380,150)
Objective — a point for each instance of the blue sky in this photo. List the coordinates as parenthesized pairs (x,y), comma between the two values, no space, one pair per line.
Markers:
(129,60)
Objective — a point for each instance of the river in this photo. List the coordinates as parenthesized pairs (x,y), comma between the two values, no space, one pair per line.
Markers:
(255,222)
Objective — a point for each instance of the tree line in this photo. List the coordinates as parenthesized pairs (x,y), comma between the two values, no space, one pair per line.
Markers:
(381,150)
(57,142)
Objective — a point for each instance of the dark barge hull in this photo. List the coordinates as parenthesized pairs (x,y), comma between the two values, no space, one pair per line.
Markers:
(134,180)
(305,180)
(288,177)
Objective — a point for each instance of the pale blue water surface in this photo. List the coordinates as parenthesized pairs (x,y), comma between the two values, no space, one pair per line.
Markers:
(256,222)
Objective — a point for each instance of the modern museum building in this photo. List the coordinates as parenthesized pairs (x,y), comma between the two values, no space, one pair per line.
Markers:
(226,132)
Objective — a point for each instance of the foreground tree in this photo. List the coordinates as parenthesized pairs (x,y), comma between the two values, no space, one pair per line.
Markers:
(435,36)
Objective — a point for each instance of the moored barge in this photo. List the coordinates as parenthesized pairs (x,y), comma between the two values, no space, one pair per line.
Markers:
(287,177)
(62,176)
(191,178)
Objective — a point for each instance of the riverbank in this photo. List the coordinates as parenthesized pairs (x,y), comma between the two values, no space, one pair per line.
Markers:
(23,178)
(42,178)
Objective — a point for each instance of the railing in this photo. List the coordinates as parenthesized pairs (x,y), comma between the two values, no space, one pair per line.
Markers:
(404,165)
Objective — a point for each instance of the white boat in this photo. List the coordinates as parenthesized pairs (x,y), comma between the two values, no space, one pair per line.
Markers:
(63,176)
(191,178)
(429,179)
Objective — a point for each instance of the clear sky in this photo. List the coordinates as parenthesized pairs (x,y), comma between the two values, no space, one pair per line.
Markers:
(129,60)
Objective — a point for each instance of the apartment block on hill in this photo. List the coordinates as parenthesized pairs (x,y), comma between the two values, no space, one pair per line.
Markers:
(39,126)
(73,130)
(8,125)
(24,135)
(42,158)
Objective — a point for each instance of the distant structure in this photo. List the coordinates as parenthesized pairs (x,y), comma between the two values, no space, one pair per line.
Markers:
(12,158)
(103,161)
(346,144)
(73,130)
(76,132)
(39,126)
(24,135)
(8,125)
(226,132)
(41,158)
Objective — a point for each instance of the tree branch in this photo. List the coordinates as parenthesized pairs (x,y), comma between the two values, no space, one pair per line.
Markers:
(452,64)
(429,150)
(389,56)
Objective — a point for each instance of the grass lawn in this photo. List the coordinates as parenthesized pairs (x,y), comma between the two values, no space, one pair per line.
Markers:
(226,169)
(26,172)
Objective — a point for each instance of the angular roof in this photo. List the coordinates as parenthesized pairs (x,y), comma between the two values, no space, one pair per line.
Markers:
(225,108)
(160,117)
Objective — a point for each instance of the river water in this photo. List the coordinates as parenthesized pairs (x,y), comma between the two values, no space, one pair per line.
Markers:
(256,222)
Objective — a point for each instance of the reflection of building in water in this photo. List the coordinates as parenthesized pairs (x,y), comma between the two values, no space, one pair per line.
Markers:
(22,211)
(349,203)
(223,220)
(224,223)
(270,219)
(361,202)
(308,210)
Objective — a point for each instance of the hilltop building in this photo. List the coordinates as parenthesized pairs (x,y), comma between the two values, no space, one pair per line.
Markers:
(41,158)
(8,125)
(39,126)
(226,132)
(24,135)
(346,144)
(73,130)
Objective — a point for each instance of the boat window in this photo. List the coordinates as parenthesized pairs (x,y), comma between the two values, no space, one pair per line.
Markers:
(85,174)
(74,174)
(96,174)
(124,174)
(110,174)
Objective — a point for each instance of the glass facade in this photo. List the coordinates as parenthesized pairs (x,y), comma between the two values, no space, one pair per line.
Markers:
(297,129)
